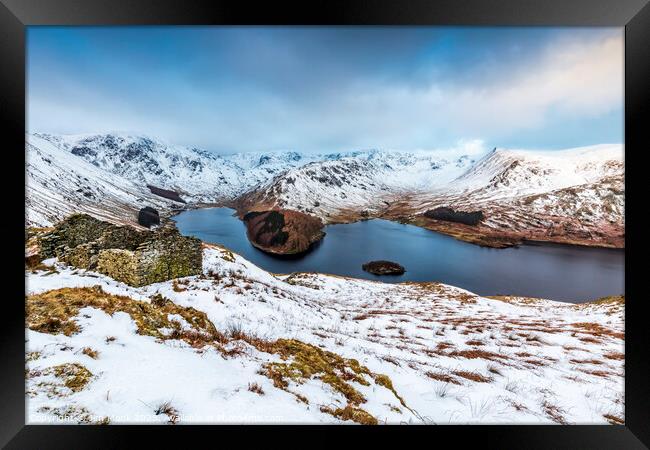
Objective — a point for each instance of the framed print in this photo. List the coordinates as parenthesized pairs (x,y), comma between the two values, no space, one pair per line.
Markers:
(343,213)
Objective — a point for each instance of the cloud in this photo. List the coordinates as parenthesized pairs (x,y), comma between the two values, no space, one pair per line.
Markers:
(331,89)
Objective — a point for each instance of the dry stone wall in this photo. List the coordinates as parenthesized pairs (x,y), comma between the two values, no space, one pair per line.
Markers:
(134,257)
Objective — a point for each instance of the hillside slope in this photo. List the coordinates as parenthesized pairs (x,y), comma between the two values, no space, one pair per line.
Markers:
(356,186)
(240,345)
(58,184)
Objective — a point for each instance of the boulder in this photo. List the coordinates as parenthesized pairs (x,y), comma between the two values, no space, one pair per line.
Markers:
(148,216)
(383,268)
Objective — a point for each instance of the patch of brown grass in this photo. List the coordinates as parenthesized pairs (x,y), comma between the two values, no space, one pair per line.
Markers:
(307,361)
(167,409)
(586,361)
(442,377)
(597,373)
(256,388)
(615,355)
(473,376)
(597,330)
(614,420)
(477,354)
(94,354)
(354,414)
(554,412)
(75,376)
(54,312)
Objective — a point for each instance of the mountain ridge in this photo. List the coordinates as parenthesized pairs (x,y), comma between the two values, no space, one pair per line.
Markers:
(573,195)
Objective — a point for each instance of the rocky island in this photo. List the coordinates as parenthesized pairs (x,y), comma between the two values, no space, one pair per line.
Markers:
(383,268)
(282,232)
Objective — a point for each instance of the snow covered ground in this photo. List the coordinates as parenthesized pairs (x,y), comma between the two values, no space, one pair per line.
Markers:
(450,356)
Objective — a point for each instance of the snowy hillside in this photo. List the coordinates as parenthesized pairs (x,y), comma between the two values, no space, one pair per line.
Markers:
(513,173)
(240,345)
(573,196)
(365,182)
(195,173)
(59,183)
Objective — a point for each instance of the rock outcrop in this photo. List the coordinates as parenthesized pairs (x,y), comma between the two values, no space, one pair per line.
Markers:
(282,232)
(449,215)
(134,257)
(383,268)
(148,216)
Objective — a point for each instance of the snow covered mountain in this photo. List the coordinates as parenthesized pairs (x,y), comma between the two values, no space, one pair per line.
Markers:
(58,183)
(365,182)
(514,173)
(199,175)
(573,196)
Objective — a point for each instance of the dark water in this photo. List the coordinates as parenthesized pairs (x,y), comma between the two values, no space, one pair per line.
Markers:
(558,272)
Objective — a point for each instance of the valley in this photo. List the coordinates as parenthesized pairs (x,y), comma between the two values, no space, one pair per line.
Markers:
(573,196)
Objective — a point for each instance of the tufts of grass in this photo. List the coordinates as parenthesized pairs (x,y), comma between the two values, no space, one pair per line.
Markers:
(354,414)
(554,412)
(256,388)
(472,376)
(167,409)
(615,356)
(614,420)
(305,361)
(445,378)
(476,354)
(494,369)
(54,312)
(75,376)
(94,354)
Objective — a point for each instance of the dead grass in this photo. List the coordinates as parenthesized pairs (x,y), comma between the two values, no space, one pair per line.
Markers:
(554,412)
(476,354)
(614,420)
(445,378)
(171,412)
(54,312)
(256,388)
(494,369)
(94,354)
(75,376)
(308,361)
(354,414)
(586,361)
(597,330)
(472,376)
(615,355)
(179,286)
(597,373)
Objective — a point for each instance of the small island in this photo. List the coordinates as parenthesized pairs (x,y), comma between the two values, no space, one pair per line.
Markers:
(383,268)
(282,231)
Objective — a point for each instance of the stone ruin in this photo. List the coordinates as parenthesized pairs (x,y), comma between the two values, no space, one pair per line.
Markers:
(123,253)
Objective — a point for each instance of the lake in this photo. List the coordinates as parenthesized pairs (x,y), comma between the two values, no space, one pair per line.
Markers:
(559,272)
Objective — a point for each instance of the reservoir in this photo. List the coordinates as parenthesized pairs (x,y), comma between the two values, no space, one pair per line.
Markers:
(558,272)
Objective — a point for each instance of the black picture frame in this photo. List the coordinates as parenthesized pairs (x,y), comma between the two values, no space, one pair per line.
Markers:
(15,15)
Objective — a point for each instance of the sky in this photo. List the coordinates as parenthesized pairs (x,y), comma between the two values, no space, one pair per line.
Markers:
(326,89)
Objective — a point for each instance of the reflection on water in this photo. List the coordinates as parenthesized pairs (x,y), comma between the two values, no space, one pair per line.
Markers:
(559,272)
